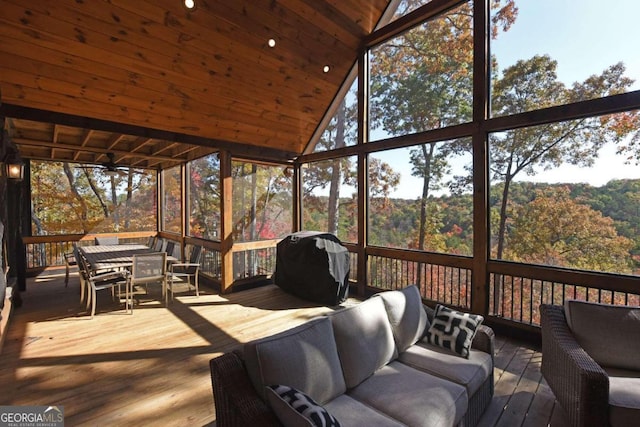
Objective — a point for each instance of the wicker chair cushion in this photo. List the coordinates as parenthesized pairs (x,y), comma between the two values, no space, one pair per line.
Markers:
(609,334)
(624,397)
(407,316)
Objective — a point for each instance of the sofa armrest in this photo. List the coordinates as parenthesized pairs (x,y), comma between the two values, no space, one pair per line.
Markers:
(578,382)
(236,401)
(484,340)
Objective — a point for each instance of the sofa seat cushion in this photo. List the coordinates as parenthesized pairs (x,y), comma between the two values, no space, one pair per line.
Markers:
(624,397)
(304,357)
(364,339)
(407,316)
(471,372)
(413,397)
(609,334)
(350,412)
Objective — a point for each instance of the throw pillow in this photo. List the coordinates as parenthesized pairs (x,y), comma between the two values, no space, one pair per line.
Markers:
(295,409)
(453,329)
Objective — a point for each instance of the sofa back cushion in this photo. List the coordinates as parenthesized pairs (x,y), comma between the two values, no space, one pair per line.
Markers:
(610,334)
(364,339)
(406,314)
(304,357)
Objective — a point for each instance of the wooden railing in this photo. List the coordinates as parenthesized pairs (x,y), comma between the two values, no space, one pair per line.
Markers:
(516,290)
(48,251)
(440,278)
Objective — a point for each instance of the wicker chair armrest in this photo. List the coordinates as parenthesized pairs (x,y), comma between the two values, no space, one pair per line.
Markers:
(236,402)
(578,382)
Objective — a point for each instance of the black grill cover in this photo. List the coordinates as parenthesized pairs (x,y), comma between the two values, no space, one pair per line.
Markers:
(313,266)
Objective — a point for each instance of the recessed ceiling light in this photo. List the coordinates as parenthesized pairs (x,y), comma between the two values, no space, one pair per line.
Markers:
(190,4)
(326,69)
(271,42)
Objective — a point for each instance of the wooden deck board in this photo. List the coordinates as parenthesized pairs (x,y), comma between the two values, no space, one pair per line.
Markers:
(152,367)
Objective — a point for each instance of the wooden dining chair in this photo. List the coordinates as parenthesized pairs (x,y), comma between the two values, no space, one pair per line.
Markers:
(147,269)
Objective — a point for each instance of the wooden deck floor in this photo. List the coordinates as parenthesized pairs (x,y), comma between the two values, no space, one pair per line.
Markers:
(151,368)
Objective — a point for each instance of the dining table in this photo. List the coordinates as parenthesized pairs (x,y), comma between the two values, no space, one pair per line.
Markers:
(114,257)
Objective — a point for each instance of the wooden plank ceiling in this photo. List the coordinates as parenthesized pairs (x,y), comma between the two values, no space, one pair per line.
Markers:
(157,84)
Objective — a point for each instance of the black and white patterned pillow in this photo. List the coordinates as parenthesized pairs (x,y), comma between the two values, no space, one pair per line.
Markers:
(453,329)
(295,408)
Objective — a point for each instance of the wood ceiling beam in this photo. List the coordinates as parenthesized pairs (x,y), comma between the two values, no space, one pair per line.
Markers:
(95,150)
(237,149)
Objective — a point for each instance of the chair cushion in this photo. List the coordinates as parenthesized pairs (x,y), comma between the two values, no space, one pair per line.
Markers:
(364,339)
(413,397)
(624,397)
(304,357)
(471,372)
(610,334)
(406,315)
(294,408)
(453,329)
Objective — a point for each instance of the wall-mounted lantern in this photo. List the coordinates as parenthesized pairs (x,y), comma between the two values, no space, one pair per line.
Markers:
(15,170)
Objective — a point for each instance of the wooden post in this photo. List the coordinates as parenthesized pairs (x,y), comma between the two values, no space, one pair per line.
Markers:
(480,276)
(363,169)
(226,226)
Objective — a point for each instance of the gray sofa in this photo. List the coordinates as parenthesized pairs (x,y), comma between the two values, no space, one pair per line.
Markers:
(590,361)
(364,365)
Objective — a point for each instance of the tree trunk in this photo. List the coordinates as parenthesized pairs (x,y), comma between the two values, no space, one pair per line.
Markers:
(114,198)
(76,194)
(333,209)
(127,209)
(96,191)
(426,182)
(502,227)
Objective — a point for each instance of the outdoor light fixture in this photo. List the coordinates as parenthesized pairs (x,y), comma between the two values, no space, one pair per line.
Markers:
(13,164)
(15,170)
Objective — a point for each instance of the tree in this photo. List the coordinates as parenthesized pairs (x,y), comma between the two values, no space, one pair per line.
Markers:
(532,84)
(204,201)
(554,229)
(422,80)
(67,198)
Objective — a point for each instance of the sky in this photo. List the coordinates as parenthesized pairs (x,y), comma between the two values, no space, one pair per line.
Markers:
(585,37)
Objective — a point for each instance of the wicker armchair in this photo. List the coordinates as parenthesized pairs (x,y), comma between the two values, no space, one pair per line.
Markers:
(578,382)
